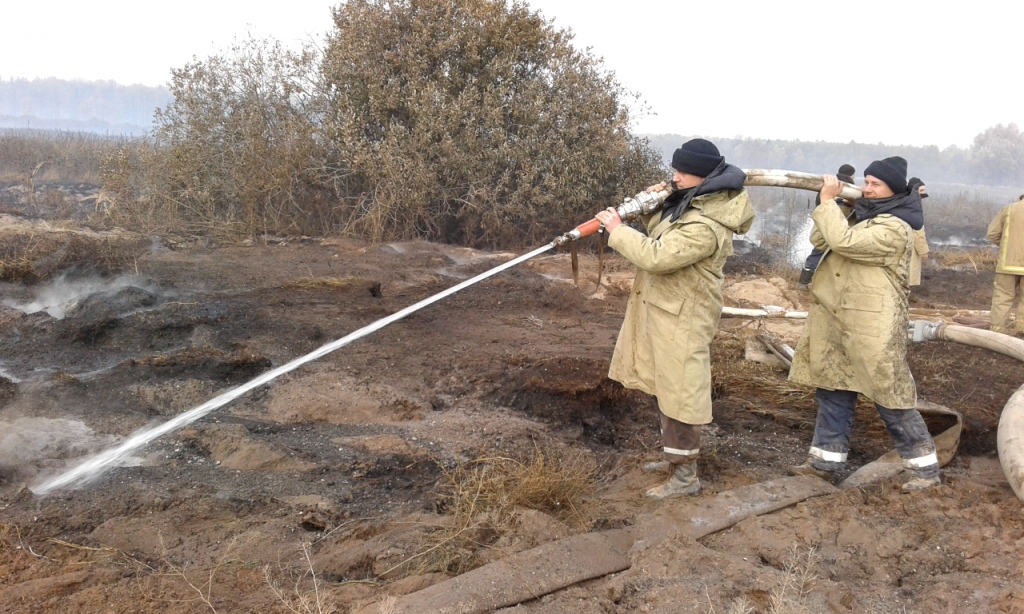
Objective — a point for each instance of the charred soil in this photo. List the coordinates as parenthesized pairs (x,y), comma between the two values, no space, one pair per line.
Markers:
(327,489)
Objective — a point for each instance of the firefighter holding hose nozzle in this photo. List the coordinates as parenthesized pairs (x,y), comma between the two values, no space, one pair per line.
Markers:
(664,344)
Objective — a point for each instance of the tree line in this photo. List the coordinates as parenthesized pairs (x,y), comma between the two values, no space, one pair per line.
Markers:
(465,121)
(995,158)
(103,107)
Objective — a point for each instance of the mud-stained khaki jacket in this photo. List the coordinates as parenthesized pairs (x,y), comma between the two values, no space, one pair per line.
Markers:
(1007,231)
(856,332)
(920,250)
(672,313)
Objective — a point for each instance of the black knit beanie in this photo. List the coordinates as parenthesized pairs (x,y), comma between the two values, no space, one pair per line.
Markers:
(697,157)
(893,171)
(913,183)
(846,173)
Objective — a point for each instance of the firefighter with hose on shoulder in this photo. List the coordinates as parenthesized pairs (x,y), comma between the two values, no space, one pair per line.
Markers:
(855,340)
(672,313)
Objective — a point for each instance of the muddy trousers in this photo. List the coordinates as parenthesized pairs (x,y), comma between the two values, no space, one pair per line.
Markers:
(680,441)
(1004,290)
(835,421)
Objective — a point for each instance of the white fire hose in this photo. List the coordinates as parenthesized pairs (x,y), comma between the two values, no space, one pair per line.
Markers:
(1010,433)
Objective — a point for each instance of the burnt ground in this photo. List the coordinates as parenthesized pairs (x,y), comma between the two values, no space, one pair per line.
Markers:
(338,468)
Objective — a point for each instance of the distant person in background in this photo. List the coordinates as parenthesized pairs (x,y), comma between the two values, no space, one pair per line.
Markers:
(920,253)
(1007,231)
(845,173)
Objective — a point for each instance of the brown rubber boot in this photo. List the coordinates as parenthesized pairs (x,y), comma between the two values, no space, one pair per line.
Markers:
(657,466)
(684,481)
(808,469)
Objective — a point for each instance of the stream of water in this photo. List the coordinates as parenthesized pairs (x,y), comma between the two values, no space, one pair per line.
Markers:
(95,466)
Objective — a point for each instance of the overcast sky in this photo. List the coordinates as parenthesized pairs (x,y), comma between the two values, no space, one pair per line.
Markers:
(895,71)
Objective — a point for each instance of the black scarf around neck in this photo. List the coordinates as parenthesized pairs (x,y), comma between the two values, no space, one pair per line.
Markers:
(677,202)
(724,177)
(905,206)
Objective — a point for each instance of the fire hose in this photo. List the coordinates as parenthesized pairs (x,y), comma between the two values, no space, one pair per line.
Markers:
(97,464)
(646,203)
(1010,432)
(1011,426)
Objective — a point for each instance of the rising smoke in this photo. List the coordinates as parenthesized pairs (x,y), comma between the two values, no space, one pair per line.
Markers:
(60,297)
(29,446)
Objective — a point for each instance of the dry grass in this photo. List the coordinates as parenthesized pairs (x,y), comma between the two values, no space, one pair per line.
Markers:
(15,267)
(759,388)
(387,605)
(200,355)
(500,485)
(34,257)
(301,600)
(798,579)
(483,496)
(45,155)
(780,268)
(980,258)
(790,594)
(319,283)
(160,585)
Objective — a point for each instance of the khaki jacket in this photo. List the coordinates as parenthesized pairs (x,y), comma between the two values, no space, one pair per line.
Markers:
(1007,231)
(673,310)
(856,332)
(920,250)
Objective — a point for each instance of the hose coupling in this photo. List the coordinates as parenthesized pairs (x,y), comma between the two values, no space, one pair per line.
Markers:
(923,330)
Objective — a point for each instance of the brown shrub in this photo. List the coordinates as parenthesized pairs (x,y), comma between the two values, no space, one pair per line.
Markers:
(468,121)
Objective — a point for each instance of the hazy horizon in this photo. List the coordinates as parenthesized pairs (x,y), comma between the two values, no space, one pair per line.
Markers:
(878,72)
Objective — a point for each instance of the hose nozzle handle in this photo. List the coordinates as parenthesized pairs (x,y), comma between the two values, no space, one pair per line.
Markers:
(642,204)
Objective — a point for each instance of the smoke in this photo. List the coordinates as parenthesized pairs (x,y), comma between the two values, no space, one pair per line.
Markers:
(956,241)
(31,445)
(802,244)
(62,295)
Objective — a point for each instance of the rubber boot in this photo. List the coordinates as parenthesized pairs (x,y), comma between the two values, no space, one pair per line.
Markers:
(808,469)
(657,466)
(805,278)
(918,483)
(684,481)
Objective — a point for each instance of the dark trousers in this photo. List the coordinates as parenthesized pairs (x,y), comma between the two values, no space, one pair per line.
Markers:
(680,441)
(811,263)
(831,442)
